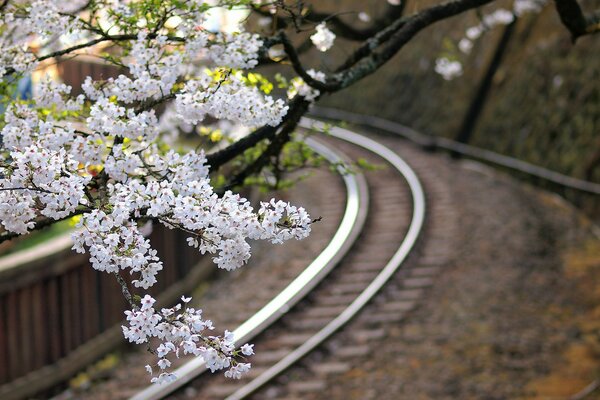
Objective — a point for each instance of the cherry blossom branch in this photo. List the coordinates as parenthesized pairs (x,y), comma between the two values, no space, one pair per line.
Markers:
(93,42)
(360,64)
(410,27)
(33,189)
(371,44)
(274,147)
(39,224)
(299,68)
(379,49)
(347,31)
(338,25)
(221,157)
(125,290)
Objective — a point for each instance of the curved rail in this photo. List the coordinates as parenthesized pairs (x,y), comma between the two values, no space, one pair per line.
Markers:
(348,231)
(386,273)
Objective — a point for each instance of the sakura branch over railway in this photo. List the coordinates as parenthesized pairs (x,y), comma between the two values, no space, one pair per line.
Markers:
(345,253)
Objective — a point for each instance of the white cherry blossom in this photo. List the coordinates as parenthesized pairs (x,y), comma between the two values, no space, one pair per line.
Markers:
(323,38)
(448,69)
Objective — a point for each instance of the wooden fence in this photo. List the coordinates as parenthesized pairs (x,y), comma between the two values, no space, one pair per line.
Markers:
(57,314)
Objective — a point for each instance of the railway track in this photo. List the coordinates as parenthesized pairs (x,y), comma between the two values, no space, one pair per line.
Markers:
(312,309)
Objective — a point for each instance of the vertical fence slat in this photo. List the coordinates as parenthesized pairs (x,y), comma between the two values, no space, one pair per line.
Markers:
(107,296)
(13,335)
(100,317)
(87,293)
(39,326)
(54,320)
(65,314)
(76,304)
(26,336)
(113,299)
(4,377)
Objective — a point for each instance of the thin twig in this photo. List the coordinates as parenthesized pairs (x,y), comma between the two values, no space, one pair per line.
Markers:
(125,290)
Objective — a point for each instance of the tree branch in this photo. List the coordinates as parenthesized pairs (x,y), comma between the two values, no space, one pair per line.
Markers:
(347,31)
(408,29)
(274,147)
(93,42)
(340,27)
(126,293)
(39,224)
(216,160)
(359,65)
(573,18)
(371,44)
(365,60)
(294,58)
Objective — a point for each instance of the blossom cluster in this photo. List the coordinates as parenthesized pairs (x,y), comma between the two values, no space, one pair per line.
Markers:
(51,93)
(182,331)
(323,38)
(448,69)
(235,50)
(298,87)
(115,243)
(41,181)
(152,73)
(40,17)
(233,101)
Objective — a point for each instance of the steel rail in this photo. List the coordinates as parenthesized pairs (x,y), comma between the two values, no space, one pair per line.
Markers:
(457,147)
(348,231)
(380,280)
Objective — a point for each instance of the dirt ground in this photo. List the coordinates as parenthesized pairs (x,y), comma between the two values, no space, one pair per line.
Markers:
(514,315)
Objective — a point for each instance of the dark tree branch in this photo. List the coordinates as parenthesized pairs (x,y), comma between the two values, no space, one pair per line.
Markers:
(371,44)
(294,58)
(340,27)
(363,62)
(39,224)
(155,102)
(479,100)
(221,157)
(297,108)
(274,147)
(93,42)
(265,59)
(347,31)
(125,290)
(391,39)
(573,18)
(366,60)
(409,29)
